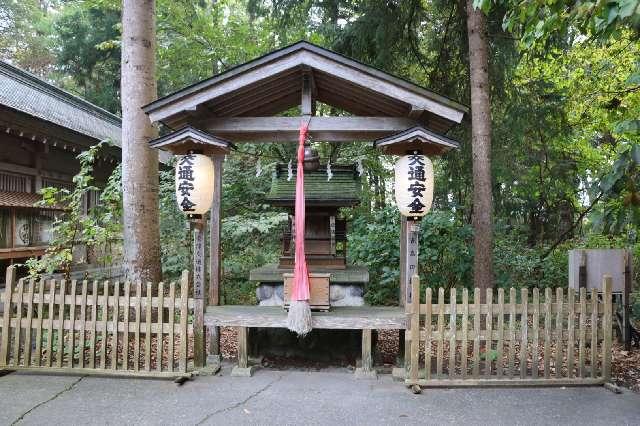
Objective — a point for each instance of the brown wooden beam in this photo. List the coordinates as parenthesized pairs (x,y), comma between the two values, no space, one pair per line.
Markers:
(285,129)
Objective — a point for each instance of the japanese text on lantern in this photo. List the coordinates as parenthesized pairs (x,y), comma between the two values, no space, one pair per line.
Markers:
(416,173)
(185,179)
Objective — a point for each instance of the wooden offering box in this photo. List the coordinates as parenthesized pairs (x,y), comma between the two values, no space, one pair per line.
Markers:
(319,290)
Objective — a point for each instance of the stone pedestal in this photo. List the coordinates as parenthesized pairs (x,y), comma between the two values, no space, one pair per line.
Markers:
(346,286)
(243,371)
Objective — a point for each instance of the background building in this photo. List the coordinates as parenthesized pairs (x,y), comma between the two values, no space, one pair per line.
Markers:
(42,130)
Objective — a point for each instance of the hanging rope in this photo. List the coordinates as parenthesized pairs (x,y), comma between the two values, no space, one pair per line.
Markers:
(299,317)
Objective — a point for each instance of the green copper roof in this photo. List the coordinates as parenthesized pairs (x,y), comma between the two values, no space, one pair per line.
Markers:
(343,189)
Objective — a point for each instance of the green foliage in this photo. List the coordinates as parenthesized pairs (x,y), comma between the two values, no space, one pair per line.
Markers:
(97,229)
(26,34)
(175,238)
(445,258)
(374,242)
(248,241)
(90,52)
(635,308)
(199,39)
(517,265)
(620,211)
(446,254)
(565,85)
(540,22)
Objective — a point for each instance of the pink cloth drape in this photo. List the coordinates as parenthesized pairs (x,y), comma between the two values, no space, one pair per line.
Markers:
(300,289)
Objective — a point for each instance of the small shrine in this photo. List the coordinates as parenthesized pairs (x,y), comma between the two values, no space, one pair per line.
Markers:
(334,282)
(253,103)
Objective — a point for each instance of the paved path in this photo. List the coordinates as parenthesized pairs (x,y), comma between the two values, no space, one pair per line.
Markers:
(297,397)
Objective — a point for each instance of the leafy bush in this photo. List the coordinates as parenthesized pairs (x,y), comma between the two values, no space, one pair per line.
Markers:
(373,241)
(518,265)
(445,256)
(97,229)
(248,241)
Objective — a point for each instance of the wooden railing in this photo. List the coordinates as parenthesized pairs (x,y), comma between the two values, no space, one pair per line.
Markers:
(96,327)
(522,341)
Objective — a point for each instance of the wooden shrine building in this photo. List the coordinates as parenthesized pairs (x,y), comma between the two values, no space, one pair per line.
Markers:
(325,240)
(42,130)
(245,104)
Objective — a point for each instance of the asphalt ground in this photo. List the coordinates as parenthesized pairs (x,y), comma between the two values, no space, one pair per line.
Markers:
(332,397)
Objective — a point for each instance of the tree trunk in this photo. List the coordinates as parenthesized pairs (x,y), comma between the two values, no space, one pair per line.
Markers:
(139,162)
(481,147)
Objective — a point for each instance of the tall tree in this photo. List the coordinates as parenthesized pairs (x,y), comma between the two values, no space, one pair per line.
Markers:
(139,162)
(481,147)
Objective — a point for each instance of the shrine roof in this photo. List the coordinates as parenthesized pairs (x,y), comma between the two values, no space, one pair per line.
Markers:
(272,83)
(342,190)
(28,94)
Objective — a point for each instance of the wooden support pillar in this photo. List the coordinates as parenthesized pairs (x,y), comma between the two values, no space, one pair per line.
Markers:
(12,234)
(411,268)
(37,162)
(214,257)
(409,232)
(243,369)
(403,260)
(626,302)
(607,326)
(366,371)
(243,343)
(198,293)
(414,314)
(402,295)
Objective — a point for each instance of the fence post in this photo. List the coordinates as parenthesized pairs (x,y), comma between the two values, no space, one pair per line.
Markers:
(6,318)
(415,328)
(607,326)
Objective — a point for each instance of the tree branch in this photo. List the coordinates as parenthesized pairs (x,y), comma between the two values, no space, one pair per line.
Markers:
(572,227)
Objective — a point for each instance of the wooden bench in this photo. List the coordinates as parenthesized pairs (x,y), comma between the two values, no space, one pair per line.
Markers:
(365,318)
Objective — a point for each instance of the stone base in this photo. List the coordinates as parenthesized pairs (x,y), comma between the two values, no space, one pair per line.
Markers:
(243,371)
(213,366)
(398,374)
(362,374)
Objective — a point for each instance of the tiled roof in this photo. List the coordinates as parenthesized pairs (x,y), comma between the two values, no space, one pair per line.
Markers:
(22,200)
(29,94)
(342,190)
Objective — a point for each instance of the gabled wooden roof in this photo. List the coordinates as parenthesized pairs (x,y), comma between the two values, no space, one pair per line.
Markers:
(189,138)
(271,84)
(416,138)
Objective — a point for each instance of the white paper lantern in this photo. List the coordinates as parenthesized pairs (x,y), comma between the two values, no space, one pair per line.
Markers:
(194,183)
(414,185)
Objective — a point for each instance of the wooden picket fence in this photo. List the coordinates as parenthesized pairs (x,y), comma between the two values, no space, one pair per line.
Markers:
(523,341)
(96,327)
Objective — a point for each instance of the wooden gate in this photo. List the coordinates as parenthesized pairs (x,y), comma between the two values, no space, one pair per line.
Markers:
(96,327)
(526,340)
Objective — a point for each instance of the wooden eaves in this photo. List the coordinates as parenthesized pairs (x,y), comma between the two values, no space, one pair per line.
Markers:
(240,104)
